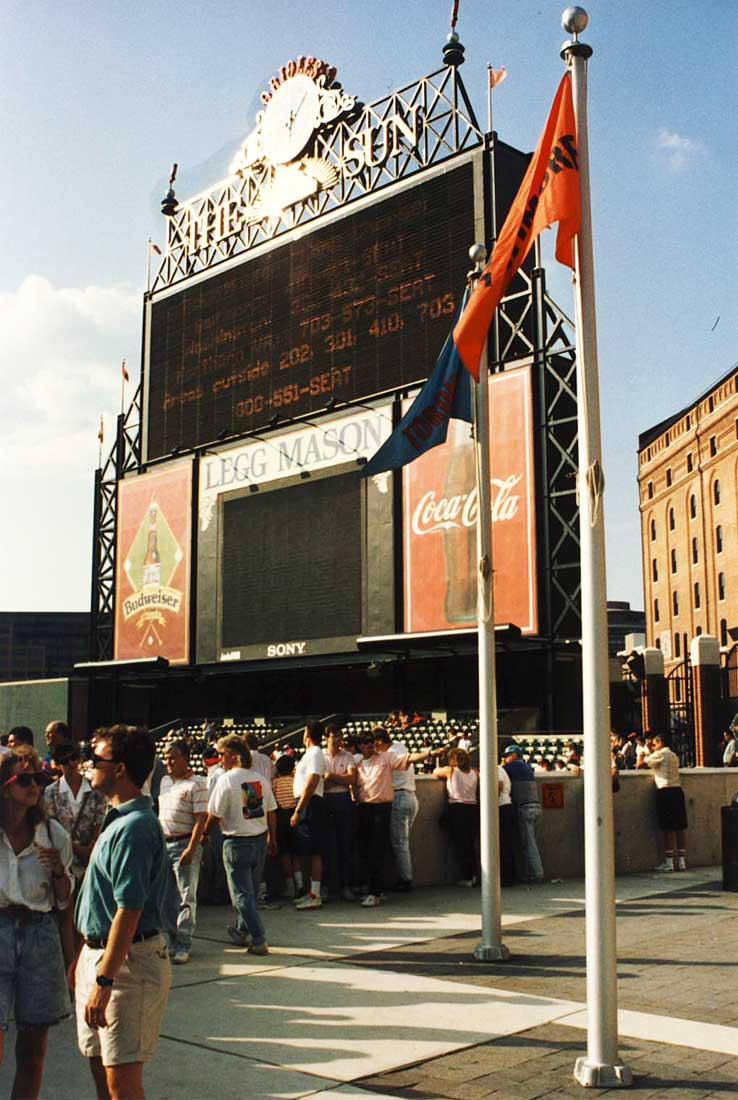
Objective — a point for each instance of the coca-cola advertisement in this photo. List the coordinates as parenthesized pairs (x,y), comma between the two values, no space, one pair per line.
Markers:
(152,605)
(440,518)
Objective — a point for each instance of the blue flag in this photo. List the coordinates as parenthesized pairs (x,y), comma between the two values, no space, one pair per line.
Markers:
(445,396)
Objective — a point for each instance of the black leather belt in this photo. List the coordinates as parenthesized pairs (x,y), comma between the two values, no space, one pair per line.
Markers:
(22,914)
(179,836)
(98,942)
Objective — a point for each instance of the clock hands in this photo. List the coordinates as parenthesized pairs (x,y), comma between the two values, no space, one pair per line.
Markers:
(293,114)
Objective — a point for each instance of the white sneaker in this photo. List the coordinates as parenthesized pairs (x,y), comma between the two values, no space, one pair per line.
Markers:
(665,867)
(371,901)
(181,956)
(309,901)
(681,863)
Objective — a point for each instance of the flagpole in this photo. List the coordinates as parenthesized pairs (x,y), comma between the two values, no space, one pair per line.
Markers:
(148,267)
(491,947)
(602,1067)
(489,97)
(123,386)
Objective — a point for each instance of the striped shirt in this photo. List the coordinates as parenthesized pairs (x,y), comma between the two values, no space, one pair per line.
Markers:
(179,801)
(284,792)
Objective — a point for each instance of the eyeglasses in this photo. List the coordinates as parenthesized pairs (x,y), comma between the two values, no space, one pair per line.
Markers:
(98,760)
(23,779)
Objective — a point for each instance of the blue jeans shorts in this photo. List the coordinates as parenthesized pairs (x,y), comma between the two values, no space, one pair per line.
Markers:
(33,981)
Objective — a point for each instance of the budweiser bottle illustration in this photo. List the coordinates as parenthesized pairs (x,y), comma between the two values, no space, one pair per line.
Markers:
(460,538)
(152,561)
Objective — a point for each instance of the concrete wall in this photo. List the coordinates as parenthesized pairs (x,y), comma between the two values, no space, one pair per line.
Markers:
(561,831)
(33,703)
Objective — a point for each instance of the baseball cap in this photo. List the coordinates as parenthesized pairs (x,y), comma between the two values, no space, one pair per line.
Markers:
(510,749)
(210,755)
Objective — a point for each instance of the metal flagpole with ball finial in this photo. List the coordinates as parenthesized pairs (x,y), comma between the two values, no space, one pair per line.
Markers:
(602,1067)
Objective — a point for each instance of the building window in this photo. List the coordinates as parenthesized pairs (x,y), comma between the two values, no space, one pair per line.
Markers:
(656,611)
(678,690)
(673,560)
(690,463)
(719,539)
(698,631)
(655,569)
(736,423)
(675,602)
(695,551)
(672,520)
(723,632)
(696,594)
(650,490)
(721,586)
(713,445)
(689,421)
(677,645)
(668,475)
(711,403)
(693,507)
(653,530)
(716,490)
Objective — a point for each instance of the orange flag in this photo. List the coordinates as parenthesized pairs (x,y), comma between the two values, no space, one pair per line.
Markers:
(549,193)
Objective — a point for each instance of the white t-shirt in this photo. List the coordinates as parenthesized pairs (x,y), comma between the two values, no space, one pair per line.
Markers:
(665,767)
(312,763)
(179,801)
(505,795)
(402,780)
(462,786)
(260,762)
(241,799)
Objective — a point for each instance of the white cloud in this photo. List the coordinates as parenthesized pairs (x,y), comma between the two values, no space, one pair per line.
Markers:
(679,151)
(60,353)
(60,356)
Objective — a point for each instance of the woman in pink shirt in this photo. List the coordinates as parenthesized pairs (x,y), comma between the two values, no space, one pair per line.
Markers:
(462,783)
(375,793)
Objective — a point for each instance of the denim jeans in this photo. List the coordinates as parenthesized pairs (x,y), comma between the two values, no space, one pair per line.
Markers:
(341,829)
(404,812)
(528,815)
(184,902)
(243,858)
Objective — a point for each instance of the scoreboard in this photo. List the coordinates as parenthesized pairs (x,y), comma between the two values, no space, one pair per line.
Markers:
(357,307)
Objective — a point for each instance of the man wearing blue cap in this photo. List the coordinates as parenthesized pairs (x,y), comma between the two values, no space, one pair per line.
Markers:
(527,803)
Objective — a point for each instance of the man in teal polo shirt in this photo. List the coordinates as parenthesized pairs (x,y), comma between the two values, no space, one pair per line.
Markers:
(122,976)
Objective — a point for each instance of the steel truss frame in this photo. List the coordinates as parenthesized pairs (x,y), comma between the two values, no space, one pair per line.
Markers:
(448,126)
(125,455)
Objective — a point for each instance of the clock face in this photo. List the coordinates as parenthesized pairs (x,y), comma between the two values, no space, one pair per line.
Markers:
(290,119)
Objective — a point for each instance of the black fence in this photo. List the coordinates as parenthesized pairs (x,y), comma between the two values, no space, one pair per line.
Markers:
(681,712)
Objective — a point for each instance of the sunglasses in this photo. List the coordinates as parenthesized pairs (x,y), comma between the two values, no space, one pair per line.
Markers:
(23,779)
(98,760)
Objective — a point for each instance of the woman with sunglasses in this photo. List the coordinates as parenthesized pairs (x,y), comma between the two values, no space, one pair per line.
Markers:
(35,879)
(71,801)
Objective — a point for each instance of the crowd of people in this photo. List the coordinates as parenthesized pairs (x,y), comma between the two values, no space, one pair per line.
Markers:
(101,848)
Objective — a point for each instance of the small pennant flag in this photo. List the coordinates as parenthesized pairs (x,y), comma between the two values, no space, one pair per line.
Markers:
(124,372)
(549,193)
(101,432)
(496,76)
(154,248)
(445,396)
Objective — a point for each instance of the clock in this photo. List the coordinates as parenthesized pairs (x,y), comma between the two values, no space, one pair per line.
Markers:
(290,119)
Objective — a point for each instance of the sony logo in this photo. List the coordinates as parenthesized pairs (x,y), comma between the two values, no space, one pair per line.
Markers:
(286,649)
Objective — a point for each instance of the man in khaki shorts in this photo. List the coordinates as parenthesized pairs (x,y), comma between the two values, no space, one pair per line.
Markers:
(122,976)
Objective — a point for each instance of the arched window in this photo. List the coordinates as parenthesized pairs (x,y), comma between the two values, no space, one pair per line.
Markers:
(672,519)
(692,506)
(696,594)
(695,550)
(723,632)
(677,645)
(698,631)
(716,490)
(721,586)
(675,602)
(719,539)
(655,569)
(655,611)
(653,530)
(673,560)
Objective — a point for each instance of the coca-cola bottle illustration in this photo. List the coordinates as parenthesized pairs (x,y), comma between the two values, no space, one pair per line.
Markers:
(152,560)
(460,540)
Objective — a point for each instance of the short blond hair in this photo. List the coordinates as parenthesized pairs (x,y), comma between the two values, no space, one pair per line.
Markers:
(233,743)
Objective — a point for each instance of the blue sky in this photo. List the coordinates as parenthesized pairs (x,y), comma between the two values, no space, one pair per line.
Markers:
(99,100)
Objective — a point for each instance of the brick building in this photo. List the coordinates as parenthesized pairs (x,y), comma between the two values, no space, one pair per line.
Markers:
(688,481)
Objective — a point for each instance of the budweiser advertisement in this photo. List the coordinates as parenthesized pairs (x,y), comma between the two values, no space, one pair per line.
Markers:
(152,603)
(440,516)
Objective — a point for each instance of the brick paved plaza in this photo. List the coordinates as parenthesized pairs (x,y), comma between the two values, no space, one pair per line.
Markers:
(390,1002)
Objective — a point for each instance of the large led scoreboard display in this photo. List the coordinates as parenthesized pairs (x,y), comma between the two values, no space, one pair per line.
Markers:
(355,308)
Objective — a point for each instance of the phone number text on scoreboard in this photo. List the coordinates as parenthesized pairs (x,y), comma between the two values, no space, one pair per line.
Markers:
(356,308)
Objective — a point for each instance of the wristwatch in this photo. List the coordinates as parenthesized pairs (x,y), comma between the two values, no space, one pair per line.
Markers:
(106,983)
